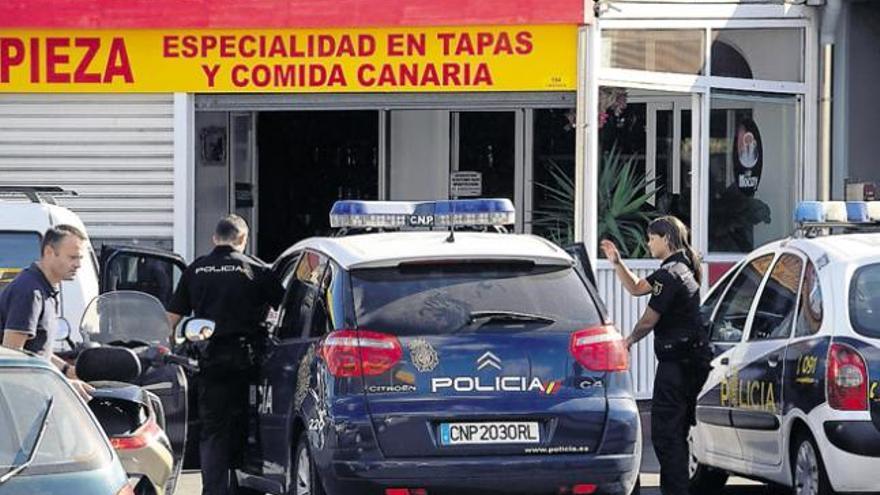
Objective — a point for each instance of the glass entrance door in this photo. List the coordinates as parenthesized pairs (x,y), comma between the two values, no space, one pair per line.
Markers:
(491,143)
(646,150)
(668,155)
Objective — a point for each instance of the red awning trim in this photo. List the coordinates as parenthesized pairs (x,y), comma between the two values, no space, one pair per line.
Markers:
(226,14)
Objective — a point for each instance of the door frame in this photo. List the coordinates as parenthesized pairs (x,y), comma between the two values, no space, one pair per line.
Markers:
(253,217)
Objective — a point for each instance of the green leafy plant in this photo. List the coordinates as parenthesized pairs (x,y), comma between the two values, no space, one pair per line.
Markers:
(624,211)
(554,216)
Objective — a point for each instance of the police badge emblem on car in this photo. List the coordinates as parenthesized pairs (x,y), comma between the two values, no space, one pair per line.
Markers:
(423,355)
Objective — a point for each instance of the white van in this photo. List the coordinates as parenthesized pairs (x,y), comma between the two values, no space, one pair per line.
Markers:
(25,214)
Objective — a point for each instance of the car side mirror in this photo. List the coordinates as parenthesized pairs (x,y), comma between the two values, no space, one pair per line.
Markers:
(198,329)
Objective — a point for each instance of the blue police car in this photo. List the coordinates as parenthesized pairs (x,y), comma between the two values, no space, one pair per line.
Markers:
(793,397)
(450,359)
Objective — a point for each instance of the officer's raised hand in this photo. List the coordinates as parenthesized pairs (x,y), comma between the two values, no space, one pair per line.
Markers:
(610,250)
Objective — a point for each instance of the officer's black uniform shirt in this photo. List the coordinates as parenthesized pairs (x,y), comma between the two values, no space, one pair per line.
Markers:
(30,304)
(675,295)
(230,288)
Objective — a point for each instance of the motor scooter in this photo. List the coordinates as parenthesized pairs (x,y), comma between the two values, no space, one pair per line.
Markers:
(141,386)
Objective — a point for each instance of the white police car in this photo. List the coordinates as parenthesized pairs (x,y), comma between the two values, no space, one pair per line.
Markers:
(794,396)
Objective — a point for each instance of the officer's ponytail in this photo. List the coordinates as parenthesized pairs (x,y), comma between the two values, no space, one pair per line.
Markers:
(676,234)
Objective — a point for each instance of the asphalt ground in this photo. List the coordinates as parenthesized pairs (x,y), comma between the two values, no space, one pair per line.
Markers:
(650,477)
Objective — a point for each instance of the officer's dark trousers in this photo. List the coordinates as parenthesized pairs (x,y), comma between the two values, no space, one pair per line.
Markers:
(222,411)
(670,423)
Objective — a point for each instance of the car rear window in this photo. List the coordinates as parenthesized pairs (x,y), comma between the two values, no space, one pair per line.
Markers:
(72,440)
(864,301)
(431,299)
(17,251)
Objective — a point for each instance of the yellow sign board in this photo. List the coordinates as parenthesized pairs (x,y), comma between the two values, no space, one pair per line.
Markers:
(498,58)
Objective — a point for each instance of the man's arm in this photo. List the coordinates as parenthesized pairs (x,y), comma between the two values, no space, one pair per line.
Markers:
(15,339)
(644,326)
(67,369)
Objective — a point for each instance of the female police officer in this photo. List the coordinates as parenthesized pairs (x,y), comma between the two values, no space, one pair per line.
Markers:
(680,345)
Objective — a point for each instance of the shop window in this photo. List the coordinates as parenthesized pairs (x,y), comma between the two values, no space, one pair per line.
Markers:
(645,148)
(727,61)
(661,50)
(553,175)
(753,155)
(769,54)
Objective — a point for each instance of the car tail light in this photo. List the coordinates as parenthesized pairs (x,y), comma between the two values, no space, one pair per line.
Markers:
(125,490)
(583,489)
(139,439)
(847,379)
(406,491)
(350,353)
(599,349)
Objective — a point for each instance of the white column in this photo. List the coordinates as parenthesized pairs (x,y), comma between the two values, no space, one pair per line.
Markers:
(587,150)
(184,175)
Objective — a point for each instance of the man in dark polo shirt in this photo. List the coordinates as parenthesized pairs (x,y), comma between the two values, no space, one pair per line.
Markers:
(30,306)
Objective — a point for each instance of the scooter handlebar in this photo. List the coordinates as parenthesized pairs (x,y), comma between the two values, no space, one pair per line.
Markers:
(187,363)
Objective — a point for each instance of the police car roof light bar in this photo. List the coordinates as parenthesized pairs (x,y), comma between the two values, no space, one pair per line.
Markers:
(851,215)
(401,214)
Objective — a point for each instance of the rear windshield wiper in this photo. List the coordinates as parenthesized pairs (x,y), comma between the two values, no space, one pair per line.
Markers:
(484,317)
(35,447)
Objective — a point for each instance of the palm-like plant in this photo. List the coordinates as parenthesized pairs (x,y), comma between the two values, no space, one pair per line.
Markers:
(623,195)
(623,215)
(554,217)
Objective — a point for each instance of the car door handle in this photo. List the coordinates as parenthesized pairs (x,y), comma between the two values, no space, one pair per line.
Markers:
(773,361)
(725,361)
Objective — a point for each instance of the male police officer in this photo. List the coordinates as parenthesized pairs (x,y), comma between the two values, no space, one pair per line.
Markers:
(29,306)
(233,290)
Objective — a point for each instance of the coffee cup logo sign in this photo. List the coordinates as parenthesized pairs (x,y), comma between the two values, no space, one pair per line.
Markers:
(748,156)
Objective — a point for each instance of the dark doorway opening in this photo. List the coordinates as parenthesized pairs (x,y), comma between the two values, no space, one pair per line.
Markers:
(308,160)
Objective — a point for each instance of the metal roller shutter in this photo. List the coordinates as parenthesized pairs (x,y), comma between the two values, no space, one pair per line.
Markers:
(116,151)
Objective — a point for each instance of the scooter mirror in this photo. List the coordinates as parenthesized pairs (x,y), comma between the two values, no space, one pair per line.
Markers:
(198,329)
(63,330)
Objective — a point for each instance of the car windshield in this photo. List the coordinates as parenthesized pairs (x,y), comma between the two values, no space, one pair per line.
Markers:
(864,301)
(72,440)
(426,299)
(17,251)
(123,316)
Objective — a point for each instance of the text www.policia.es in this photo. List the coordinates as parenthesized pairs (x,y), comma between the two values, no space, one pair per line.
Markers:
(557,450)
